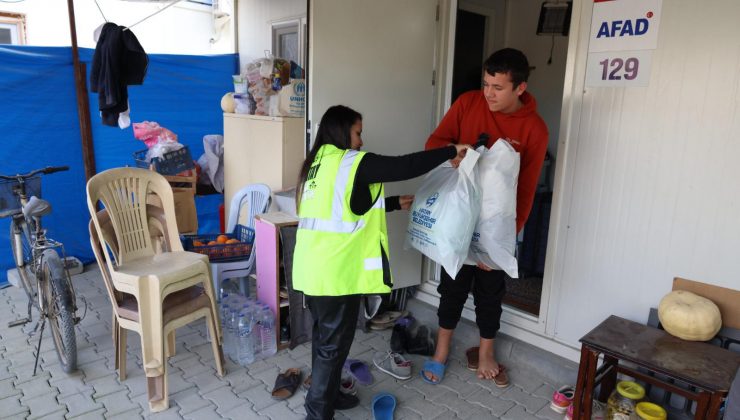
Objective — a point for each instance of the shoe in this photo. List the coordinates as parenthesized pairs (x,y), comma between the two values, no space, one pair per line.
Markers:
(562,399)
(393,364)
(346,402)
(347,385)
(422,343)
(399,339)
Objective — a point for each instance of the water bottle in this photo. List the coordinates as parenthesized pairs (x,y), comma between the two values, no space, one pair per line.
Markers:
(246,347)
(225,312)
(233,348)
(267,332)
(257,330)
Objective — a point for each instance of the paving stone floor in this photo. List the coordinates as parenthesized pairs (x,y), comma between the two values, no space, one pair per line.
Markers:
(243,393)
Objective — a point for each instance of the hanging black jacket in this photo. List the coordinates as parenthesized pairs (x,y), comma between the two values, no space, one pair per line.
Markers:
(119,61)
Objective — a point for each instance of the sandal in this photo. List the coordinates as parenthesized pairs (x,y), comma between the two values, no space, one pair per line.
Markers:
(471,355)
(435,368)
(502,379)
(388,317)
(359,370)
(384,404)
(286,383)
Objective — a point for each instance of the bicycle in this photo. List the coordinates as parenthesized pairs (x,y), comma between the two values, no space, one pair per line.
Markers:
(43,275)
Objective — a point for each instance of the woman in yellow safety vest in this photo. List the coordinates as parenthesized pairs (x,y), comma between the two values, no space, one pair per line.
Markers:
(341,250)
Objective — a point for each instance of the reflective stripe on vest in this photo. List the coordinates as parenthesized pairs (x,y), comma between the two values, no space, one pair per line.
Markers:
(336,224)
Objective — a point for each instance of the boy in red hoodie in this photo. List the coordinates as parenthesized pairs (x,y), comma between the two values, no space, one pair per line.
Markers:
(501,109)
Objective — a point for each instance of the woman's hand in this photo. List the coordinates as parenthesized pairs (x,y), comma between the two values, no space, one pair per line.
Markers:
(461,149)
(405,201)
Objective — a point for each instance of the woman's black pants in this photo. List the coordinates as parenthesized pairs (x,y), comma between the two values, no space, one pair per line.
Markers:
(334,322)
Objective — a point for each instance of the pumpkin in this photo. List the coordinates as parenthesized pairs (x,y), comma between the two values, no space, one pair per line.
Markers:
(689,316)
(227,103)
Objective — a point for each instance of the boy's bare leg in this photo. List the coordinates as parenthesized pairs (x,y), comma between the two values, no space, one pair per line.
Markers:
(487,365)
(444,338)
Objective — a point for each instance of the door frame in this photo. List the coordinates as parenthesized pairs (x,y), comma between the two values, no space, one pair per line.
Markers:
(535,330)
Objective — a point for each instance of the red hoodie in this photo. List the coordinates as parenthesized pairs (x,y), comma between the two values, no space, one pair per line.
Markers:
(469,116)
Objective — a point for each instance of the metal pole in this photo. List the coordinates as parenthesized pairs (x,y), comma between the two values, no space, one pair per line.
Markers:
(83,106)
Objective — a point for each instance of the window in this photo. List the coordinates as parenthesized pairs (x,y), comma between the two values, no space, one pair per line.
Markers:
(12,28)
(288,40)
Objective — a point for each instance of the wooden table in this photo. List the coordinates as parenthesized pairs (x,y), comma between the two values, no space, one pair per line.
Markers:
(703,372)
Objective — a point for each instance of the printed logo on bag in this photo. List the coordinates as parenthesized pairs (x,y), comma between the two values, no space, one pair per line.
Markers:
(300,89)
(432,199)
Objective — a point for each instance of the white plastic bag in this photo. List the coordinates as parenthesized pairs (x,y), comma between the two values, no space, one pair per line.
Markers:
(444,213)
(212,161)
(494,238)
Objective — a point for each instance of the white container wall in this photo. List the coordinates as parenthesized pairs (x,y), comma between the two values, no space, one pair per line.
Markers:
(648,184)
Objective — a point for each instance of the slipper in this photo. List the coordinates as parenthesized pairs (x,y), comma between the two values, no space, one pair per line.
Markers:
(435,368)
(359,370)
(502,379)
(379,327)
(286,383)
(388,317)
(471,355)
(384,404)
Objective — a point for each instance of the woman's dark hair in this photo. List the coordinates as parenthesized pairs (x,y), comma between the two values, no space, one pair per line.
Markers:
(334,128)
(511,61)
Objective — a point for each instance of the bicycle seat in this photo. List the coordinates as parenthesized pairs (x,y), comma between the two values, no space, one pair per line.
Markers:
(36,207)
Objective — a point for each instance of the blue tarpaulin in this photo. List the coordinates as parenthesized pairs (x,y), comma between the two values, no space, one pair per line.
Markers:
(39,123)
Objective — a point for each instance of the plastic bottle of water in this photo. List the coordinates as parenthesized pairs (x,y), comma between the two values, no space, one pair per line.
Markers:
(233,348)
(257,330)
(246,347)
(267,332)
(225,312)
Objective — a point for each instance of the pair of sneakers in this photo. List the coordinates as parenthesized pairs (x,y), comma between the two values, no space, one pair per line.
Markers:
(403,341)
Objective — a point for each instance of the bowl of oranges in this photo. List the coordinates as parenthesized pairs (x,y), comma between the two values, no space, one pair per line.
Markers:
(222,246)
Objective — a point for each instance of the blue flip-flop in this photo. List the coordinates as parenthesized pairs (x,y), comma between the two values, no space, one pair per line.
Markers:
(435,368)
(384,404)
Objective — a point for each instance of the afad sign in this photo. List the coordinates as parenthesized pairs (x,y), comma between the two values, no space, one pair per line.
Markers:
(619,25)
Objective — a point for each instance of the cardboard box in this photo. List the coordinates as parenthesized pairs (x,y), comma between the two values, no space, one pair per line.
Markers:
(187,216)
(727,300)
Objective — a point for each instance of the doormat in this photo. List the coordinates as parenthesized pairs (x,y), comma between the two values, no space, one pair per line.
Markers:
(524,294)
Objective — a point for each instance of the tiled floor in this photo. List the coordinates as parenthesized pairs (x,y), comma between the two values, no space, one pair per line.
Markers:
(197,392)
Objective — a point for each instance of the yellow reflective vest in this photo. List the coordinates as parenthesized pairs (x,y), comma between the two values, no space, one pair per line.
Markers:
(337,252)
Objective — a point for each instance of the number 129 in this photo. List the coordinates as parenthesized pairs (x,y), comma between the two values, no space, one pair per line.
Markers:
(619,68)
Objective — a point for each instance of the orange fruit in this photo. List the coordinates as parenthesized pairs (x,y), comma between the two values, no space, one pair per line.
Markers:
(232,241)
(213,243)
(198,243)
(222,239)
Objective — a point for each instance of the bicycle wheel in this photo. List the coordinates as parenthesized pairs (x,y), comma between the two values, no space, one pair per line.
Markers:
(20,241)
(59,309)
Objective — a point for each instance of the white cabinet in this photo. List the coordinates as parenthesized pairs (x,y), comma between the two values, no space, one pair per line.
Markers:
(262,149)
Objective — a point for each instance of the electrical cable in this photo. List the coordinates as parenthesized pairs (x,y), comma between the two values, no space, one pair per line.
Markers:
(158,11)
(101,11)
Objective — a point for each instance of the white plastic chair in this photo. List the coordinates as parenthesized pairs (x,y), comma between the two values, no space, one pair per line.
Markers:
(256,198)
(137,269)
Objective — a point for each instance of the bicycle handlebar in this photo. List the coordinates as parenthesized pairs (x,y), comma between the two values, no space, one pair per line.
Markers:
(48,170)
